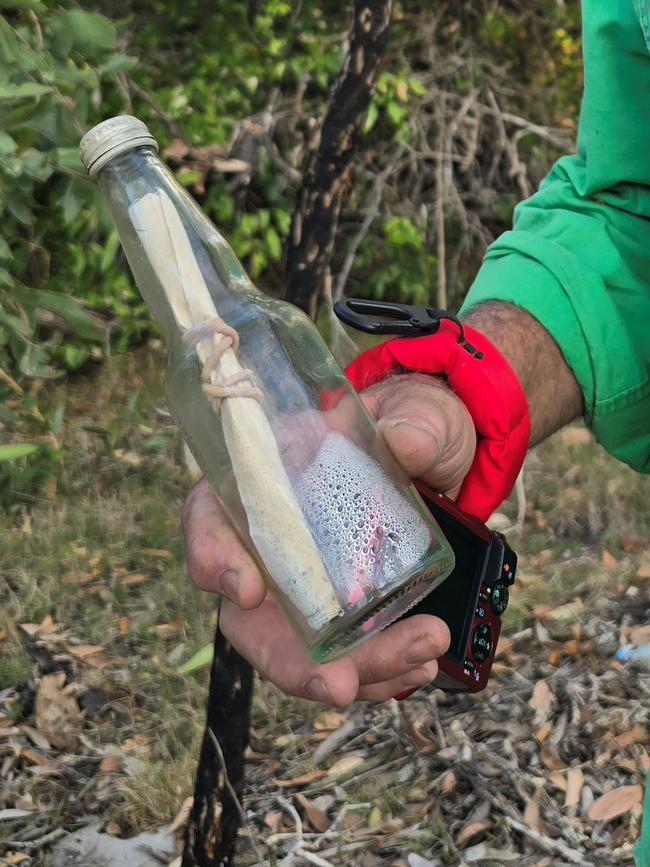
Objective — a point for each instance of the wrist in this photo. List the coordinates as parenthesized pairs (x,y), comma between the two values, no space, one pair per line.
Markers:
(553,393)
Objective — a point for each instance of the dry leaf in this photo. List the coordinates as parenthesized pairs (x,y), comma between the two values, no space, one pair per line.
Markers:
(329,721)
(345,765)
(448,784)
(81,651)
(542,699)
(543,732)
(643,571)
(531,814)
(167,630)
(558,780)
(37,738)
(471,830)
(159,553)
(57,713)
(302,780)
(274,819)
(608,560)
(317,818)
(640,635)
(135,578)
(11,858)
(575,780)
(110,763)
(551,759)
(182,815)
(615,803)
(123,626)
(638,734)
(112,828)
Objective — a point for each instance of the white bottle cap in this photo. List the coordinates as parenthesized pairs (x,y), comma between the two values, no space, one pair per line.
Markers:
(112,137)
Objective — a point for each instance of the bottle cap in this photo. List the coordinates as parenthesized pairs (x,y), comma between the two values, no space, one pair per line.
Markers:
(112,137)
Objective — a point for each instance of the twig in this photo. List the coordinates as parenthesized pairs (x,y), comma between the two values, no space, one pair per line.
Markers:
(232,792)
(45,840)
(168,121)
(440,209)
(334,741)
(371,213)
(544,842)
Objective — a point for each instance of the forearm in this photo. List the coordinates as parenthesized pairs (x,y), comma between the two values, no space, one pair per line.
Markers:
(554,396)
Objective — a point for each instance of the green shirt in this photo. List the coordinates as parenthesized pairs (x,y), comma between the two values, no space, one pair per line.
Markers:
(578,257)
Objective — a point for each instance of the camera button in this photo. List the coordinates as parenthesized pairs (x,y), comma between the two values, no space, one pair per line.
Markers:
(480,611)
(483,596)
(500,598)
(482,643)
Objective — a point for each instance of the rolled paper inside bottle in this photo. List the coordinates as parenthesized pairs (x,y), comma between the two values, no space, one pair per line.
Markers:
(276,523)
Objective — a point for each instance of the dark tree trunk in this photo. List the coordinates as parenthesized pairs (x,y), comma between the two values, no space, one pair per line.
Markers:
(215,819)
(332,146)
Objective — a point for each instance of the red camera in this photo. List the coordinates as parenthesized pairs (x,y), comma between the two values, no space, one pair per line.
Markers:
(472,599)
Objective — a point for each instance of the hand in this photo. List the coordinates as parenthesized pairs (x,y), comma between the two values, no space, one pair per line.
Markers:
(432,435)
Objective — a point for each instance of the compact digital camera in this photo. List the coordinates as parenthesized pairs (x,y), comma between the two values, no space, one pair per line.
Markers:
(472,599)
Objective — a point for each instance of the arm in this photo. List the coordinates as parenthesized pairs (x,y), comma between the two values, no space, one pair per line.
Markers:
(578,258)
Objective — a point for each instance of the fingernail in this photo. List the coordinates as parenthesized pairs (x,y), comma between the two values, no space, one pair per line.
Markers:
(230,584)
(417,677)
(422,650)
(317,690)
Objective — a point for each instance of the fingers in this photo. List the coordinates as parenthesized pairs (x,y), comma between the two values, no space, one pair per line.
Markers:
(426,426)
(265,638)
(399,658)
(216,559)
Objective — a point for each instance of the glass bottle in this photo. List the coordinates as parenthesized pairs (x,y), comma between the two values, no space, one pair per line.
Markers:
(340,534)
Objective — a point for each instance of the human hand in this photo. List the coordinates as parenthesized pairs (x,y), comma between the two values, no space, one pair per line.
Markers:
(432,435)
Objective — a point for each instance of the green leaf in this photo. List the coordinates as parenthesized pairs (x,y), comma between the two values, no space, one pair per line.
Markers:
(5,250)
(274,244)
(64,306)
(89,31)
(21,91)
(201,659)
(18,450)
(118,63)
(7,144)
(35,5)
(57,419)
(371,117)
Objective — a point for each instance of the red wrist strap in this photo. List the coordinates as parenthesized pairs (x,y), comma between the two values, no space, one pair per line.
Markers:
(488,387)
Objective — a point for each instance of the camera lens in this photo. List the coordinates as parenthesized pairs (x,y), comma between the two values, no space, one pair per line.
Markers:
(500,598)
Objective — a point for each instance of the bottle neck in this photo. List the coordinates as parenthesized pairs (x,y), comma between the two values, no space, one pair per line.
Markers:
(183,267)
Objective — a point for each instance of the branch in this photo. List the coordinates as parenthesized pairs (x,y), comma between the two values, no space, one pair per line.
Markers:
(332,146)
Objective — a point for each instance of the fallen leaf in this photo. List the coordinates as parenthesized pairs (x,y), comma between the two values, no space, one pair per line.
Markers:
(37,738)
(532,815)
(11,858)
(471,830)
(608,560)
(317,818)
(167,630)
(375,817)
(329,721)
(643,571)
(123,626)
(638,734)
(542,699)
(551,759)
(640,635)
(274,819)
(81,651)
(58,715)
(343,766)
(110,763)
(302,780)
(134,579)
(559,781)
(575,780)
(448,784)
(112,828)
(615,803)
(158,553)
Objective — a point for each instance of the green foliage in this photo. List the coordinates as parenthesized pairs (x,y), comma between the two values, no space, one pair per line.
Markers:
(53,64)
(397,265)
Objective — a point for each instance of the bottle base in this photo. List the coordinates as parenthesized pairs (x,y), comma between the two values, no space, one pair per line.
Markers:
(358,626)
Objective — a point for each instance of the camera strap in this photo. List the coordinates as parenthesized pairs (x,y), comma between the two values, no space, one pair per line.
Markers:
(475,370)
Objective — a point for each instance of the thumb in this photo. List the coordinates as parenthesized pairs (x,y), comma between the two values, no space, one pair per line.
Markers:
(426,426)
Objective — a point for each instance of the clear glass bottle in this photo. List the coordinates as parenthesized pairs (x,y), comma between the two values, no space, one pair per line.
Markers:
(341,535)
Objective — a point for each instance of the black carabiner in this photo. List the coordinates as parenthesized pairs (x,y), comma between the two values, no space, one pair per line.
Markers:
(406,320)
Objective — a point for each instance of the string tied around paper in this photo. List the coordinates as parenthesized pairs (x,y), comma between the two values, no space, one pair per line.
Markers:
(223,337)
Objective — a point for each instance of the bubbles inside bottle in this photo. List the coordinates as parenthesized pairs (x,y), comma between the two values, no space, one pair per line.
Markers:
(368,533)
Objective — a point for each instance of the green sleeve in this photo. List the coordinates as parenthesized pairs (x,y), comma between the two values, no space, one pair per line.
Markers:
(578,257)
